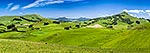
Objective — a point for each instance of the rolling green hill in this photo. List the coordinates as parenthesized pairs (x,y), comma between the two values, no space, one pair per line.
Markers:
(119,21)
(120,32)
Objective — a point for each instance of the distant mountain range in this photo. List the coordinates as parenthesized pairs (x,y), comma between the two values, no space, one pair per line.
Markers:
(64,19)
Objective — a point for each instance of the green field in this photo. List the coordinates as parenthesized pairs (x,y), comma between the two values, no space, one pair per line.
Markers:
(17,46)
(119,33)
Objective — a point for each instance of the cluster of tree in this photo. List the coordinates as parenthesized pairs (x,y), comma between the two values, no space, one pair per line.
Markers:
(67,28)
(56,22)
(13,27)
(114,22)
(109,26)
(17,19)
(145,19)
(46,23)
(2,28)
(17,26)
(148,20)
(138,22)
(127,20)
(81,25)
(2,24)
(30,19)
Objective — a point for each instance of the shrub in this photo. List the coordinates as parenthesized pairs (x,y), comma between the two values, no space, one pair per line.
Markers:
(14,29)
(10,26)
(78,26)
(30,26)
(85,22)
(89,23)
(115,23)
(2,25)
(66,28)
(105,23)
(56,22)
(138,22)
(17,19)
(37,28)
(46,23)
(17,23)
(70,27)
(127,20)
(148,20)
(110,26)
(83,25)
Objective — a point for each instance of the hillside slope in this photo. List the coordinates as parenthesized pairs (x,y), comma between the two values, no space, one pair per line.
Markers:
(118,32)
(16,46)
(122,20)
(138,37)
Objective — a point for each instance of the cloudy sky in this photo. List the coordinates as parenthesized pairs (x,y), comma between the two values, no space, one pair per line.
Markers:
(75,8)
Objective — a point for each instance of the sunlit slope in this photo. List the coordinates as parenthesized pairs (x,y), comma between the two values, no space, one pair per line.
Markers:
(83,37)
(120,21)
(16,46)
(13,19)
(138,37)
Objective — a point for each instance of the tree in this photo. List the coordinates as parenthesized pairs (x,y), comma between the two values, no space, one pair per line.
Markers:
(78,26)
(46,23)
(110,26)
(30,26)
(56,22)
(66,28)
(17,19)
(148,20)
(138,22)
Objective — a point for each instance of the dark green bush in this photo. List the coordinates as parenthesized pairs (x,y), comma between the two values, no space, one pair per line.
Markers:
(138,22)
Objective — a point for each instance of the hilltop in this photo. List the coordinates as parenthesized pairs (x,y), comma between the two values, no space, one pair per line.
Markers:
(120,21)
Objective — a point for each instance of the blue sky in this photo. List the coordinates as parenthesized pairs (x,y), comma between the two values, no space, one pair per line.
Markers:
(75,8)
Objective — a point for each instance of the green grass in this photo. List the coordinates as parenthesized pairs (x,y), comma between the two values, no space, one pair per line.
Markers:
(83,39)
(17,46)
(136,38)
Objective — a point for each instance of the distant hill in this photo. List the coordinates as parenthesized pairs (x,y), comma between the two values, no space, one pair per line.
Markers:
(64,19)
(82,19)
(20,23)
(24,18)
(119,21)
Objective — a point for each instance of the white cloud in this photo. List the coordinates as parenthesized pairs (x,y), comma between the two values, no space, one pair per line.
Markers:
(9,5)
(134,11)
(138,13)
(15,7)
(132,15)
(148,11)
(39,3)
